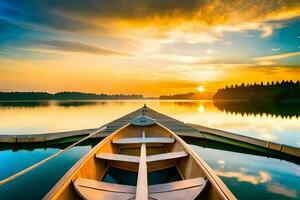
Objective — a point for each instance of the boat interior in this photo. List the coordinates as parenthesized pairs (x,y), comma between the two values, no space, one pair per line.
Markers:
(138,162)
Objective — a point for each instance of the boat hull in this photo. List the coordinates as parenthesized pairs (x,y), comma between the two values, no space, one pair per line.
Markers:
(168,151)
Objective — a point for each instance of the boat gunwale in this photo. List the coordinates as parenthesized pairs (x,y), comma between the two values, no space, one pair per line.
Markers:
(64,182)
(209,172)
(67,178)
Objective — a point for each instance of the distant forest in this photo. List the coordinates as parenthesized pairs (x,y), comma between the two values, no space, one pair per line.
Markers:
(13,96)
(189,96)
(271,91)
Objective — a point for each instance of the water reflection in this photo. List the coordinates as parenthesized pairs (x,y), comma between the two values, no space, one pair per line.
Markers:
(282,190)
(266,178)
(228,147)
(262,177)
(29,147)
(29,104)
(283,110)
(36,183)
(57,116)
(272,109)
(78,103)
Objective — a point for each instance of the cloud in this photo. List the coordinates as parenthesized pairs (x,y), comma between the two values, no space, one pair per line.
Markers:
(71,46)
(227,43)
(194,73)
(266,31)
(275,49)
(280,189)
(262,177)
(186,20)
(269,60)
(68,31)
(210,51)
(221,162)
(180,59)
(223,61)
(208,12)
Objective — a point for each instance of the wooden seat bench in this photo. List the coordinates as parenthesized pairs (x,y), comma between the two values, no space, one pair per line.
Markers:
(136,159)
(140,140)
(91,190)
(166,156)
(185,189)
(118,157)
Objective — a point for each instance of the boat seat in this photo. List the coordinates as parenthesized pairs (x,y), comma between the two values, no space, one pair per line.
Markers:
(177,185)
(118,157)
(139,140)
(186,189)
(136,159)
(166,156)
(91,189)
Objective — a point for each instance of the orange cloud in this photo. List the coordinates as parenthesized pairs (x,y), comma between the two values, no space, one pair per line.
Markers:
(280,189)
(262,177)
(277,57)
(176,20)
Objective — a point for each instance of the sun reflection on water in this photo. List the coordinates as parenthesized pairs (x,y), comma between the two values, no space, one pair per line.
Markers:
(63,116)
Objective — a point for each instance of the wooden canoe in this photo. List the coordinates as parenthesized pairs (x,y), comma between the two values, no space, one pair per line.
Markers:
(142,160)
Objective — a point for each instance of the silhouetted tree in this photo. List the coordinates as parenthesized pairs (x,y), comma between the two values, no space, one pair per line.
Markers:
(285,90)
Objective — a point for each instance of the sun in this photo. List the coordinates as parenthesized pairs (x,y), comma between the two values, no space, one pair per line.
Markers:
(201,88)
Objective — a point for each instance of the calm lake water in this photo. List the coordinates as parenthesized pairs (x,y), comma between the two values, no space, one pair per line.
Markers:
(248,176)
(40,117)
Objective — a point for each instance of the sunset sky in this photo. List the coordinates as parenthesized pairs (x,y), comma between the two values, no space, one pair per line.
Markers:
(149,47)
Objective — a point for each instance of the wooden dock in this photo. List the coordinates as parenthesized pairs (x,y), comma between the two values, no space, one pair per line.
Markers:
(180,128)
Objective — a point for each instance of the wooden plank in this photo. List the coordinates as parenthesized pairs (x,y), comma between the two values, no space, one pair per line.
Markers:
(186,194)
(142,182)
(85,167)
(93,194)
(42,137)
(189,168)
(138,140)
(177,185)
(98,185)
(293,151)
(212,177)
(118,157)
(166,156)
(24,171)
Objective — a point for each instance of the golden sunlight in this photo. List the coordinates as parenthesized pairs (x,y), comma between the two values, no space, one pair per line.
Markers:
(201,88)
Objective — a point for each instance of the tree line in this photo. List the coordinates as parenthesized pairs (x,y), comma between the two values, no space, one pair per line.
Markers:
(10,96)
(270,91)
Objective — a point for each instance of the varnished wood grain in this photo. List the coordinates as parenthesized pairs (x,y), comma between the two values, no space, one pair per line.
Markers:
(177,154)
(142,182)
